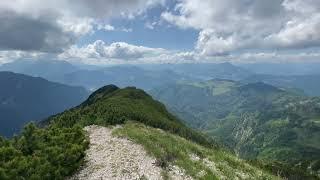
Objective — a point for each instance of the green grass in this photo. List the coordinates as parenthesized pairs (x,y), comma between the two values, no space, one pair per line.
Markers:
(172,149)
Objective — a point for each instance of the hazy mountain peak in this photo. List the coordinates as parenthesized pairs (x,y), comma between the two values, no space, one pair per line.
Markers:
(24,98)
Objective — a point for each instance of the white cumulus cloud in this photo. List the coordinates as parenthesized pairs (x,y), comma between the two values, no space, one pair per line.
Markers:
(117,50)
(231,25)
(52,26)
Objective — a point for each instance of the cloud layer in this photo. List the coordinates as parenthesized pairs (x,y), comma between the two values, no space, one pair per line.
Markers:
(52,26)
(100,52)
(233,30)
(231,25)
(118,50)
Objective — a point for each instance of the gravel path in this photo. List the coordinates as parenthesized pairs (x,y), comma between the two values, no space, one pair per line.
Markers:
(114,158)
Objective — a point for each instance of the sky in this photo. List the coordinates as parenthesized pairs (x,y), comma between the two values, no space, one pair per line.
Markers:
(160,31)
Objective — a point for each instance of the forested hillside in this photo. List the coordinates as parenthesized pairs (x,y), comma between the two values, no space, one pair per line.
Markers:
(257,121)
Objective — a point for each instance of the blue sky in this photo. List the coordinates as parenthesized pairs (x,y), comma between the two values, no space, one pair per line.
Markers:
(167,36)
(160,31)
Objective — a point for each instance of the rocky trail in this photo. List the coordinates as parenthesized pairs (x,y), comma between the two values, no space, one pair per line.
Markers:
(114,158)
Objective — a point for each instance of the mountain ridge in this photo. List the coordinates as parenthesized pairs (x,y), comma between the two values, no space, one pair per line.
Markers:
(24,98)
(119,105)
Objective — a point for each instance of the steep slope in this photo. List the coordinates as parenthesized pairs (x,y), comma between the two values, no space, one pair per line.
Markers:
(257,120)
(192,101)
(173,152)
(24,98)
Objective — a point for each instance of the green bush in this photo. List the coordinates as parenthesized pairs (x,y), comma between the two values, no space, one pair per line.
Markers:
(51,153)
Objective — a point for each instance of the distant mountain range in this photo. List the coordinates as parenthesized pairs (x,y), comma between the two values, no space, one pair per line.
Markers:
(149,76)
(301,84)
(142,76)
(24,98)
(204,71)
(282,69)
(92,78)
(256,120)
(52,70)
(121,76)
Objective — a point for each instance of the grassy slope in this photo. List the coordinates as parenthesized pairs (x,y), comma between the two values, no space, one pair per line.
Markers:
(256,120)
(197,161)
